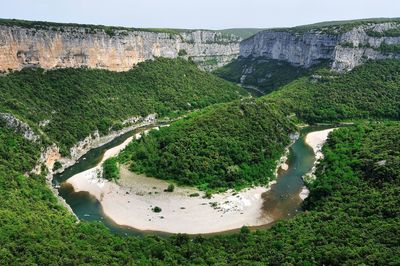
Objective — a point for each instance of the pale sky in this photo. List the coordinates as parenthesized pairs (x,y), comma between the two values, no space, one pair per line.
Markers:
(205,14)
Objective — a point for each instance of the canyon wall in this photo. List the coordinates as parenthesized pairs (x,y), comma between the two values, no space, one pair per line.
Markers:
(345,47)
(298,49)
(116,50)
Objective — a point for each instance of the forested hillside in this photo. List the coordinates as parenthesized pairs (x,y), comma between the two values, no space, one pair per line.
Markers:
(237,144)
(369,91)
(76,102)
(225,146)
(266,75)
(352,216)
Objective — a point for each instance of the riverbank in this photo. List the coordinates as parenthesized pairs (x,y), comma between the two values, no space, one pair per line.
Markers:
(315,140)
(282,164)
(52,154)
(131,201)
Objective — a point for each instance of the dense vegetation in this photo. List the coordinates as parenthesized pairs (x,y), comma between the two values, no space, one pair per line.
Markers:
(225,146)
(236,145)
(368,91)
(111,169)
(76,102)
(265,75)
(352,216)
(17,155)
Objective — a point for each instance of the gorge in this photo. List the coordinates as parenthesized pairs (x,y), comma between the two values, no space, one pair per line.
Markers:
(75,96)
(130,199)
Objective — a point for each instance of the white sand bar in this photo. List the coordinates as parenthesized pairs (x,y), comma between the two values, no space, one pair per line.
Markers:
(317,139)
(130,202)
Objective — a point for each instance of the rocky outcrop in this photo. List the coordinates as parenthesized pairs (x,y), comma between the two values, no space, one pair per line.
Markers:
(19,126)
(344,48)
(48,157)
(52,153)
(118,50)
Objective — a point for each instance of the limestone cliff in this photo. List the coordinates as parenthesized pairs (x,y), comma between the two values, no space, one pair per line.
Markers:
(346,46)
(298,49)
(118,50)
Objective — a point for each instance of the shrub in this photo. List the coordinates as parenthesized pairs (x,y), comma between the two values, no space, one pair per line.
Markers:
(111,169)
(208,195)
(57,165)
(389,48)
(182,52)
(156,209)
(170,188)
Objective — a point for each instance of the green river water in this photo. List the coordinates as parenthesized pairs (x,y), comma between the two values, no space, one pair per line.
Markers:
(282,201)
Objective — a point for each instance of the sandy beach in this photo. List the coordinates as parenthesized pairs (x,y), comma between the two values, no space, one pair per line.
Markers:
(131,200)
(317,139)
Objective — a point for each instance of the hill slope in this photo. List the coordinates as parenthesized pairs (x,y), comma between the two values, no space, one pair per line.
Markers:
(75,102)
(231,145)
(262,74)
(368,91)
(352,212)
(249,136)
(352,218)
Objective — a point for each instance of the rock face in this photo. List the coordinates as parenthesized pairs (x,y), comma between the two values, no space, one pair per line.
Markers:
(298,49)
(344,48)
(19,126)
(120,50)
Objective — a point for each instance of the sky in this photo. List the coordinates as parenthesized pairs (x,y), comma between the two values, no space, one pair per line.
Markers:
(197,14)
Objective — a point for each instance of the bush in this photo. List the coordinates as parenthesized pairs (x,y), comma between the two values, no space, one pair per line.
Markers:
(57,165)
(182,52)
(170,188)
(111,169)
(389,48)
(208,195)
(109,31)
(156,209)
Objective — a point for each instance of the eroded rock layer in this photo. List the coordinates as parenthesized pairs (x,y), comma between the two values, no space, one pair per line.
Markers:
(120,50)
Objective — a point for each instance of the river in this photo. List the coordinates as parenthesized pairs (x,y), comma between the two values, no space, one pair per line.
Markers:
(280,202)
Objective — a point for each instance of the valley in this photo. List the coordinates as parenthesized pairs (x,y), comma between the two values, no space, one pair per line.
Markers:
(225,177)
(130,199)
